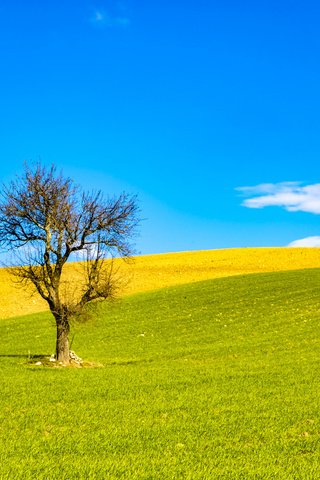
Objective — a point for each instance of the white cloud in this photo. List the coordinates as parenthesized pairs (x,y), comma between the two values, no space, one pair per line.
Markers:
(98,16)
(306,242)
(292,196)
(103,18)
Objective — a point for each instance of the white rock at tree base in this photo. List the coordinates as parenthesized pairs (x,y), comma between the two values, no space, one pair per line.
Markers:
(74,356)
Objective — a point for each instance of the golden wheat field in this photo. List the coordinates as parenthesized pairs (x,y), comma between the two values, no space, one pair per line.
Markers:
(151,272)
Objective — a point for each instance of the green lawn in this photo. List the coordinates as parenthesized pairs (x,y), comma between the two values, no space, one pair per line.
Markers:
(213,380)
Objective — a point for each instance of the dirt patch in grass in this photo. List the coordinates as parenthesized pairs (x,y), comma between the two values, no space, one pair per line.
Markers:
(49,362)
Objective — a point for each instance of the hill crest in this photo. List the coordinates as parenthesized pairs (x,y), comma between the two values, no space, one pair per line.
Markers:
(152,272)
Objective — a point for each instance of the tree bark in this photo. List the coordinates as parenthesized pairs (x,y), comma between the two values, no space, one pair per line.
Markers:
(62,344)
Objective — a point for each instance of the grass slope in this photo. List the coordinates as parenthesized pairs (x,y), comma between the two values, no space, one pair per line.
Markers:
(212,380)
(152,272)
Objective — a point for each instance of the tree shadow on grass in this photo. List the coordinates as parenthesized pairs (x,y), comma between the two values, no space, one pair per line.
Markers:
(131,362)
(13,355)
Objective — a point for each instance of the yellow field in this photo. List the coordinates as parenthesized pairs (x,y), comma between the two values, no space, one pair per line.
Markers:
(152,272)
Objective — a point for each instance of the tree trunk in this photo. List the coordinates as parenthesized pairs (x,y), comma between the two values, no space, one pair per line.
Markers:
(62,344)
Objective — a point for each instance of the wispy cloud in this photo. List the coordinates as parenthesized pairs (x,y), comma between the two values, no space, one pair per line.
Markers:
(306,242)
(292,196)
(98,16)
(118,17)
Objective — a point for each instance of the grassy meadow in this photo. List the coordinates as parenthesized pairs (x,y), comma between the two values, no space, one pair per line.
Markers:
(215,379)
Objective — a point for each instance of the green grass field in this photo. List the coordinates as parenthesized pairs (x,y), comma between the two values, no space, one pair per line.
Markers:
(212,380)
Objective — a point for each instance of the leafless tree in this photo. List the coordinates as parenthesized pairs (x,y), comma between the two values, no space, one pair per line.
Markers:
(45,220)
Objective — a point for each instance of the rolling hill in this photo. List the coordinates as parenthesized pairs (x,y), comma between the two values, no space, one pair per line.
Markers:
(211,379)
(152,272)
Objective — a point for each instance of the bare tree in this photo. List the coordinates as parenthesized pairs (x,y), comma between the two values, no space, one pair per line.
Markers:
(45,220)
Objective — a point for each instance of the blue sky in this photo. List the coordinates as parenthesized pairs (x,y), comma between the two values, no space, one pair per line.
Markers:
(208,110)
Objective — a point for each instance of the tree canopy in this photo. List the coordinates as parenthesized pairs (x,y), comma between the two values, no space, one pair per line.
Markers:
(45,220)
